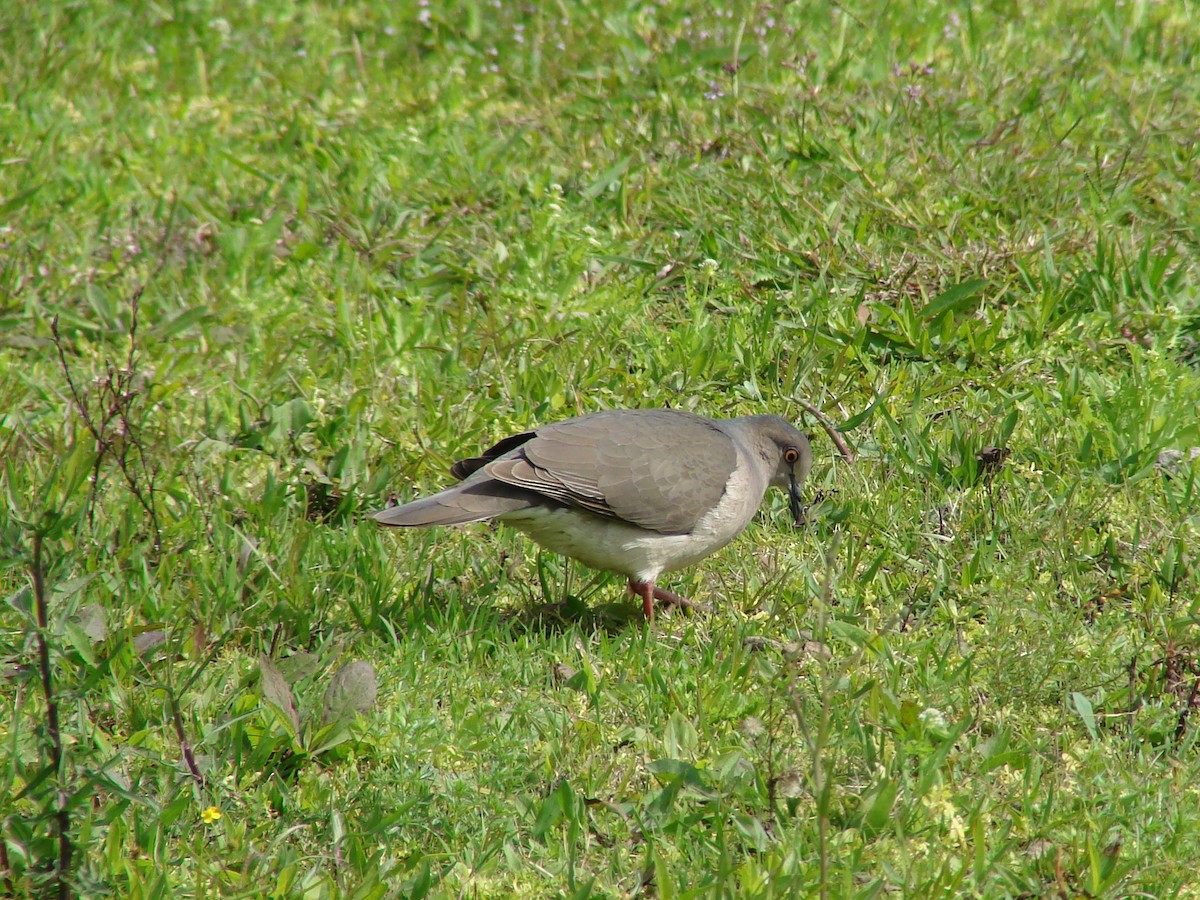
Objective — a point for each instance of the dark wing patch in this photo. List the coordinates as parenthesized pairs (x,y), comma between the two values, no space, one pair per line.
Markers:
(465,467)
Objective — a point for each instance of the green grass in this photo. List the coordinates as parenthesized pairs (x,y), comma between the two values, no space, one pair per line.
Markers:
(303,256)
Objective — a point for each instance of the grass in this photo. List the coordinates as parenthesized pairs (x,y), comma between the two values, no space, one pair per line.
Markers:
(263,267)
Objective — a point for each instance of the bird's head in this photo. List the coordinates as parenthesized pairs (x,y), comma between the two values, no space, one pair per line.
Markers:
(786,452)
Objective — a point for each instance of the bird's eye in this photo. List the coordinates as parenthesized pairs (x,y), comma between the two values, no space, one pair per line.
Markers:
(790,455)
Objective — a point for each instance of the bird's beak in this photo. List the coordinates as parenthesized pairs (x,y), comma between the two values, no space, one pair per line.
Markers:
(795,501)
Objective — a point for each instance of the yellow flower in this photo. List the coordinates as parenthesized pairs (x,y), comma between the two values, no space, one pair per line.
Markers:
(210,815)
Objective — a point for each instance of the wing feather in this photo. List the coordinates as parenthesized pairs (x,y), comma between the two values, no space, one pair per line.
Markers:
(659,469)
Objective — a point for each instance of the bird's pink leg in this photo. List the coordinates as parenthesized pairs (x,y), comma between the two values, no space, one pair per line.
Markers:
(675,600)
(645,590)
(649,592)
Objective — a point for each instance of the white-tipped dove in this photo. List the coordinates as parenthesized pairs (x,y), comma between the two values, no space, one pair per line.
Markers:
(635,491)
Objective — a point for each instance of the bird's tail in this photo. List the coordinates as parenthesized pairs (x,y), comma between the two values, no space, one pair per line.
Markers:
(457,506)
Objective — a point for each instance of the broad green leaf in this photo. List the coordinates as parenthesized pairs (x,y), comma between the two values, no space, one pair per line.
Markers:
(952,298)
(351,691)
(277,693)
(1083,708)
(90,619)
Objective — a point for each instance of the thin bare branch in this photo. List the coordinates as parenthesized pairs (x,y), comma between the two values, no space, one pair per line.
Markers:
(53,733)
(830,429)
(189,757)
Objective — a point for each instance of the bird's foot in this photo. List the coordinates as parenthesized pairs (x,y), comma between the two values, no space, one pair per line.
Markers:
(649,592)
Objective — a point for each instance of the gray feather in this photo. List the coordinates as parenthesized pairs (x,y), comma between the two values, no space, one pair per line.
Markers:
(660,469)
(626,464)
(638,492)
(472,501)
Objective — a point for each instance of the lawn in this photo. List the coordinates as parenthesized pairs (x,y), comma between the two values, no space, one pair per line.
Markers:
(265,266)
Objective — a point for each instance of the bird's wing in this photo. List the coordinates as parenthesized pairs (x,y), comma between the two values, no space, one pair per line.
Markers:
(658,469)
(464,468)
